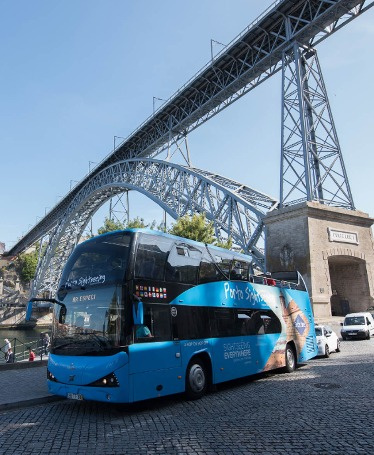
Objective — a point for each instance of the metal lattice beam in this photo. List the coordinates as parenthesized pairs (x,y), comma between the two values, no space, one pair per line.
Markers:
(312,167)
(252,57)
(234,209)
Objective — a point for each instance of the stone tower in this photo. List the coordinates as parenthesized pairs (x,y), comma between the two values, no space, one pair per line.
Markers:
(333,250)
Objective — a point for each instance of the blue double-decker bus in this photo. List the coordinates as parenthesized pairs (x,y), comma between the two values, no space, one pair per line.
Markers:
(141,314)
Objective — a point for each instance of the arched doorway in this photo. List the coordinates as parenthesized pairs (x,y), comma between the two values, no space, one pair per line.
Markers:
(349,285)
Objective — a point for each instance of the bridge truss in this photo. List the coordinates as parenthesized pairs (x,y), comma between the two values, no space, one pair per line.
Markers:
(284,36)
(237,211)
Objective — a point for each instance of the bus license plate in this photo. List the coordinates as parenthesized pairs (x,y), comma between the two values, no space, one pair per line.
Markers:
(75,396)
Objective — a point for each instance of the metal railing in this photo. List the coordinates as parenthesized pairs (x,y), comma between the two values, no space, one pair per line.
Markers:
(21,350)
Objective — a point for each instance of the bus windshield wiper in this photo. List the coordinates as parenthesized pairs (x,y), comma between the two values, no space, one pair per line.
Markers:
(102,341)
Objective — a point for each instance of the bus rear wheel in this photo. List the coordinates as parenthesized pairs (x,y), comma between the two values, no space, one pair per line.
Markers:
(290,359)
(196,379)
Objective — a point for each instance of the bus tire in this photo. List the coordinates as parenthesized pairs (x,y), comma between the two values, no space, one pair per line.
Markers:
(196,379)
(290,359)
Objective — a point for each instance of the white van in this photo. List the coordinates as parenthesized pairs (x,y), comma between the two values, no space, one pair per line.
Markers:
(357,325)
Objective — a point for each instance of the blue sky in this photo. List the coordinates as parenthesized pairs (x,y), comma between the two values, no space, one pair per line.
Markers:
(76,73)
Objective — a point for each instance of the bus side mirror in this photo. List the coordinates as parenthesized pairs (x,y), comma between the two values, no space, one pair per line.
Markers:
(62,315)
(137,311)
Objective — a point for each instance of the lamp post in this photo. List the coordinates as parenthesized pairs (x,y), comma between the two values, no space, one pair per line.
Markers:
(158,99)
(72,181)
(114,141)
(89,165)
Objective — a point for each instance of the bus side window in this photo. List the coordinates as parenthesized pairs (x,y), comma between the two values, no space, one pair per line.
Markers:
(157,320)
(151,256)
(215,267)
(183,264)
(239,270)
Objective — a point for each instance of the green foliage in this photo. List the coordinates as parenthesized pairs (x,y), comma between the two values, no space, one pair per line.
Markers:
(26,265)
(225,244)
(110,225)
(137,223)
(195,227)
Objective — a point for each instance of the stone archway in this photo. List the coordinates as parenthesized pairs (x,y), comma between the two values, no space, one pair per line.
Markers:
(349,284)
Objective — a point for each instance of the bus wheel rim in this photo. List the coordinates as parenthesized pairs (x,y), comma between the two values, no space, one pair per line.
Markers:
(197,378)
(290,358)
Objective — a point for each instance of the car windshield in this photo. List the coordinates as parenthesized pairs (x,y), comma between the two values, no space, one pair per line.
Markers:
(89,323)
(100,261)
(318,331)
(354,320)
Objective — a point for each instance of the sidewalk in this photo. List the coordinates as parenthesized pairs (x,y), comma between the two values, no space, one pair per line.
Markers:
(24,384)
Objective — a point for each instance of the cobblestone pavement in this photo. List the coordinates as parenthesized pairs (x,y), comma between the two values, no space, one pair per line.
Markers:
(325,407)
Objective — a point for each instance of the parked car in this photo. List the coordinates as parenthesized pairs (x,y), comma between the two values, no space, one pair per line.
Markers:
(371,310)
(357,325)
(327,340)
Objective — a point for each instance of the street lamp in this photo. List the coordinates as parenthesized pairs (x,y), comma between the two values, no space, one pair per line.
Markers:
(89,165)
(154,99)
(114,141)
(72,181)
(211,46)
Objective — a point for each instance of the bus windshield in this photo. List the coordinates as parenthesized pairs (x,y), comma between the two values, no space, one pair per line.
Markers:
(100,261)
(90,323)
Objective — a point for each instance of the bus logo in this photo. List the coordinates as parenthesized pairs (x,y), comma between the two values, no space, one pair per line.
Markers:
(173,311)
(299,325)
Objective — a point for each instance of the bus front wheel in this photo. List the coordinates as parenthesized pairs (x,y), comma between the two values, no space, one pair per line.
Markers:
(196,379)
(290,359)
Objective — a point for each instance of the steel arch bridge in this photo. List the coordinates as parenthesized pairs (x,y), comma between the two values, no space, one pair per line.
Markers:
(312,168)
(235,209)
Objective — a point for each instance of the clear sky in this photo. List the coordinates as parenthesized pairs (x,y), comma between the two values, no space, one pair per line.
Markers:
(75,73)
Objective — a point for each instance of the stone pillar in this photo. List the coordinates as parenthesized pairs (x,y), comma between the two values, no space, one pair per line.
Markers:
(331,247)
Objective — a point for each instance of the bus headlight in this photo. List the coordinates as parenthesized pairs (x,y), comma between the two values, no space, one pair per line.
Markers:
(51,377)
(109,380)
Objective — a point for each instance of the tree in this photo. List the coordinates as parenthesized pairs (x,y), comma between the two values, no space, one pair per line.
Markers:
(225,243)
(26,264)
(110,225)
(195,227)
(137,223)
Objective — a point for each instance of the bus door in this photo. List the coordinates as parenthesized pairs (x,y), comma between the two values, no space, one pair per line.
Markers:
(155,359)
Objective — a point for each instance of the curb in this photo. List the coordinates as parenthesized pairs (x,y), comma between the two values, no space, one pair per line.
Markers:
(22,365)
(27,403)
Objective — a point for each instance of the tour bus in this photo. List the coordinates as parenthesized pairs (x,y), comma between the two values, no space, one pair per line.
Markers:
(141,314)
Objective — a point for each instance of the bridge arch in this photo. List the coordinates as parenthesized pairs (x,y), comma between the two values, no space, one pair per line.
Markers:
(234,209)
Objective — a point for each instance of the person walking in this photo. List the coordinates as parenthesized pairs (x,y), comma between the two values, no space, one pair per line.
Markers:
(7,348)
(31,354)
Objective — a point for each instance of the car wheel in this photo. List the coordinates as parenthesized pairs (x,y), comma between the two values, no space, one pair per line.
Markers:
(338,346)
(368,336)
(344,337)
(196,379)
(327,351)
(290,359)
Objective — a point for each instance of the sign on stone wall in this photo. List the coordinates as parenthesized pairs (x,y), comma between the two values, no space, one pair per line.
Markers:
(343,236)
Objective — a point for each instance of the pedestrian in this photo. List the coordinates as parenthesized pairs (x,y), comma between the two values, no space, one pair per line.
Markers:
(31,354)
(6,348)
(46,342)
(10,357)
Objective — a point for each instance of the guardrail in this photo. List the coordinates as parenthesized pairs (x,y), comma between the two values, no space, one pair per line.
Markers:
(20,350)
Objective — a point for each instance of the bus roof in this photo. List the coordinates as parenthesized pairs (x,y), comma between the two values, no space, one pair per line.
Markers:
(171,236)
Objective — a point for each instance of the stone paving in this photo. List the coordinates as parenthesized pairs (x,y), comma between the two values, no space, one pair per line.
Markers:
(325,407)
